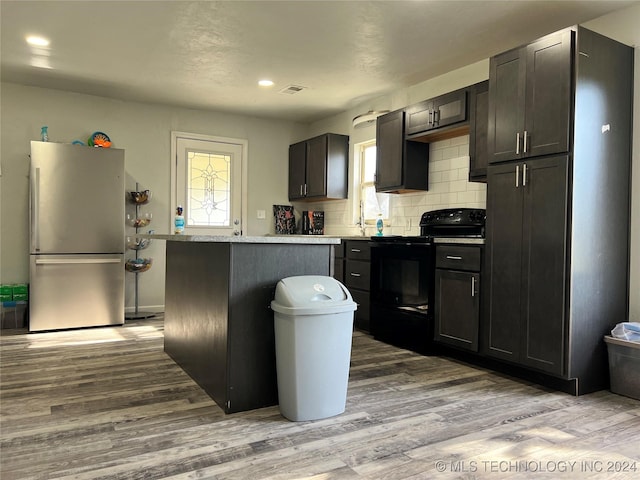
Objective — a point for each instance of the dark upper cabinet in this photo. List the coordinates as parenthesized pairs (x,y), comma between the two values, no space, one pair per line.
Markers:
(478,123)
(318,168)
(437,112)
(401,165)
(527,205)
(297,170)
(530,96)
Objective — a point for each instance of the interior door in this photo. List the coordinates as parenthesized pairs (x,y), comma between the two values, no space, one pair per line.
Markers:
(208,185)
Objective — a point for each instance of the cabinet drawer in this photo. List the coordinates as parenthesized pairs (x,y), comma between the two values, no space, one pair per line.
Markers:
(357,274)
(358,250)
(457,257)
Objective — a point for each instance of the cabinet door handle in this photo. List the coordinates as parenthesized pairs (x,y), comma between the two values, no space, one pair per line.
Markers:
(518,143)
(436,116)
(301,190)
(453,257)
(517,175)
(355,250)
(355,274)
(473,286)
(524,141)
(431,115)
(524,175)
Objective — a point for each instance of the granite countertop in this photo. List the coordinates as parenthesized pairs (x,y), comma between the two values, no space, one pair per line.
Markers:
(459,240)
(301,239)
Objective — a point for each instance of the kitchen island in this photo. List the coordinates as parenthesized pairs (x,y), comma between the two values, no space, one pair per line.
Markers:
(218,321)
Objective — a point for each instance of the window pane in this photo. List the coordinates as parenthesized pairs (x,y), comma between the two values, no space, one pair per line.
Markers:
(369,164)
(375,203)
(208,189)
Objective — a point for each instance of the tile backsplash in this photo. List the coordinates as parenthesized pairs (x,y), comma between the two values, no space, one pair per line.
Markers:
(448,187)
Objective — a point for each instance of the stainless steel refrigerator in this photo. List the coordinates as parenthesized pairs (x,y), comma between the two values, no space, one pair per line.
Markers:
(77,212)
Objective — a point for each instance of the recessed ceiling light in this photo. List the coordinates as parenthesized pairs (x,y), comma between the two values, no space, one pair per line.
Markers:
(265,83)
(37,41)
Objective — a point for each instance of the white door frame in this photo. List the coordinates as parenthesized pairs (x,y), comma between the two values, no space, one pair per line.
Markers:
(244,144)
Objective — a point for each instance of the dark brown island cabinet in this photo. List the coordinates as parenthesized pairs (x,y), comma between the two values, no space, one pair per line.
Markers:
(557,240)
(218,323)
(319,168)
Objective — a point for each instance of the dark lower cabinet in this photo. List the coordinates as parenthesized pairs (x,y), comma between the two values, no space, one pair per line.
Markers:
(357,278)
(457,296)
(526,261)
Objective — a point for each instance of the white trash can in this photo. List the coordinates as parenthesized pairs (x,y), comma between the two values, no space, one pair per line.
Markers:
(313,320)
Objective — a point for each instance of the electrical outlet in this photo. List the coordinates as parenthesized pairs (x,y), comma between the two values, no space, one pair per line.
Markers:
(407,224)
(261,214)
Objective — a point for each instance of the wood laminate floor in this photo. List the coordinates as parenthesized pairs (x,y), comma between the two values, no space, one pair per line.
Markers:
(107,403)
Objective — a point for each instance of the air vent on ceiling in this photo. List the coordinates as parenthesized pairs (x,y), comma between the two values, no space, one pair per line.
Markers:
(291,89)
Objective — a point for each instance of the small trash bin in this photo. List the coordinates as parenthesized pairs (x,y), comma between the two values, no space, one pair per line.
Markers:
(624,365)
(313,320)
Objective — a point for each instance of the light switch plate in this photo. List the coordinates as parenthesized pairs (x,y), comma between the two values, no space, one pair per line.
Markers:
(261,214)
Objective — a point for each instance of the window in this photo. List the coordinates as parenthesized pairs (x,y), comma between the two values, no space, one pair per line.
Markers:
(371,203)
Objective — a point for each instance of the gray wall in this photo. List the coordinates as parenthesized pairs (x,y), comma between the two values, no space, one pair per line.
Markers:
(143,131)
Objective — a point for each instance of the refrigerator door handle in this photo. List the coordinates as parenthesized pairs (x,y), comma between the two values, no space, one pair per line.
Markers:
(65,261)
(35,220)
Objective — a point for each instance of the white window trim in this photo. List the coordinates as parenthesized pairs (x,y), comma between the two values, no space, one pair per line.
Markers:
(209,138)
(358,154)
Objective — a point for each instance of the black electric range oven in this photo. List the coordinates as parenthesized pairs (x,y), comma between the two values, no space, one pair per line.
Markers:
(403,276)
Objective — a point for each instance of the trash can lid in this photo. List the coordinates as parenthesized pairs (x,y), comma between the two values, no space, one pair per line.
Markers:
(311,295)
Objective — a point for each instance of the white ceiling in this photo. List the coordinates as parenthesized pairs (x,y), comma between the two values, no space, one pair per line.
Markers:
(210,54)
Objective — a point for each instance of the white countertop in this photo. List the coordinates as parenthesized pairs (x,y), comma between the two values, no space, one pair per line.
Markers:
(300,239)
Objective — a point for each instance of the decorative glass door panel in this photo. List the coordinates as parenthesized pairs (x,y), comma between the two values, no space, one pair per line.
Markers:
(208,190)
(208,185)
